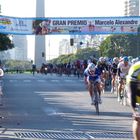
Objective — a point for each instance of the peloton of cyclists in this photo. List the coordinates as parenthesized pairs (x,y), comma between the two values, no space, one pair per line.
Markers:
(97,73)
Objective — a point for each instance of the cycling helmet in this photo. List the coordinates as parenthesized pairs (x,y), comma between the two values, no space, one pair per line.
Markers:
(101,59)
(134,61)
(125,59)
(89,61)
(115,59)
(130,58)
(137,58)
(106,58)
(91,66)
(1,72)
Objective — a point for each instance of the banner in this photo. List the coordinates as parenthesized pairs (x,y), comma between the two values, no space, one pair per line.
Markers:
(70,26)
(10,25)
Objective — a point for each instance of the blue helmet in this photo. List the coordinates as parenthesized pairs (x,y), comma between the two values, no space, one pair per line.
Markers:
(125,59)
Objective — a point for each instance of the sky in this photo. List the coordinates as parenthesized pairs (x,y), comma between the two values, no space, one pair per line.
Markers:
(61,8)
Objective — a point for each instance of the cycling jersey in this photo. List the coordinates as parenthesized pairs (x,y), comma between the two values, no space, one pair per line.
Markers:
(91,77)
(123,70)
(114,68)
(133,79)
(134,72)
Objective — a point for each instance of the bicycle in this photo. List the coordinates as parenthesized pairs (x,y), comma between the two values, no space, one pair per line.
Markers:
(96,97)
(1,92)
(123,96)
(114,89)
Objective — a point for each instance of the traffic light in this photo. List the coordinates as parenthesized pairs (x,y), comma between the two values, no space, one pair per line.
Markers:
(81,43)
(43,54)
(71,42)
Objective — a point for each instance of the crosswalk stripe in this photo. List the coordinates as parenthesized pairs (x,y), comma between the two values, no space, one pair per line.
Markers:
(55,80)
(27,81)
(68,80)
(41,80)
(12,80)
(44,80)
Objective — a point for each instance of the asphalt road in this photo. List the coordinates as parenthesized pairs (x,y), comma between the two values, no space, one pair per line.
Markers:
(54,107)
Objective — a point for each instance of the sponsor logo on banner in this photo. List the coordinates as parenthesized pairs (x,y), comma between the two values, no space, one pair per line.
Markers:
(85,25)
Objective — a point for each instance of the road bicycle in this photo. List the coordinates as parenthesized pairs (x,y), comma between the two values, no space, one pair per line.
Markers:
(96,97)
(1,91)
(123,95)
(114,89)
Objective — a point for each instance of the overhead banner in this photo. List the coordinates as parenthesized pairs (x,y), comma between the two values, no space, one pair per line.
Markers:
(11,25)
(70,26)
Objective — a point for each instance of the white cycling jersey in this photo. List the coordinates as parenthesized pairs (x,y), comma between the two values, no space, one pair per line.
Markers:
(124,69)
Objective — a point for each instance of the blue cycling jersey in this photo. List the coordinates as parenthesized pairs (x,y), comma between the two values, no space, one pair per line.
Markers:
(92,77)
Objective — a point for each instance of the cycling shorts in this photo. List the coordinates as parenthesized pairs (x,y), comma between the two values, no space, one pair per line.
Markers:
(94,79)
(138,99)
(134,93)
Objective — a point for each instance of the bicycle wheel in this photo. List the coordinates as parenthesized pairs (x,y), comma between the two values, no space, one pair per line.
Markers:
(97,108)
(96,101)
(124,97)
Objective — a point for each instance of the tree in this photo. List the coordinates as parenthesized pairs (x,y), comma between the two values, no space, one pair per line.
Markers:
(5,42)
(118,45)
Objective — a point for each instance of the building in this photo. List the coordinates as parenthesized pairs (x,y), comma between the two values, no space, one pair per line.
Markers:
(64,47)
(132,8)
(19,52)
(80,42)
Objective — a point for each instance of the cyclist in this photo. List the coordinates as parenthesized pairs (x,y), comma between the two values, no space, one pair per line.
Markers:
(123,68)
(133,82)
(104,71)
(113,71)
(1,76)
(90,77)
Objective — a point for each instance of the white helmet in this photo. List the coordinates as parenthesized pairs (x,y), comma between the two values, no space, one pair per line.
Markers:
(133,61)
(115,59)
(1,72)
(91,66)
(101,59)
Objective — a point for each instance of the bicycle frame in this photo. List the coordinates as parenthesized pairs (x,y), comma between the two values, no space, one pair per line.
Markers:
(96,95)
(124,93)
(1,92)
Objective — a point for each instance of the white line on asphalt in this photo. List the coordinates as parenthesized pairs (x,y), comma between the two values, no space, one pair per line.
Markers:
(55,80)
(27,81)
(68,80)
(41,80)
(12,80)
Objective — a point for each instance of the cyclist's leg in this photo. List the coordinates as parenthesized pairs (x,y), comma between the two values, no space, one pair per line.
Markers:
(90,89)
(132,89)
(98,85)
(1,91)
(136,130)
(107,76)
(113,83)
(120,88)
(102,87)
